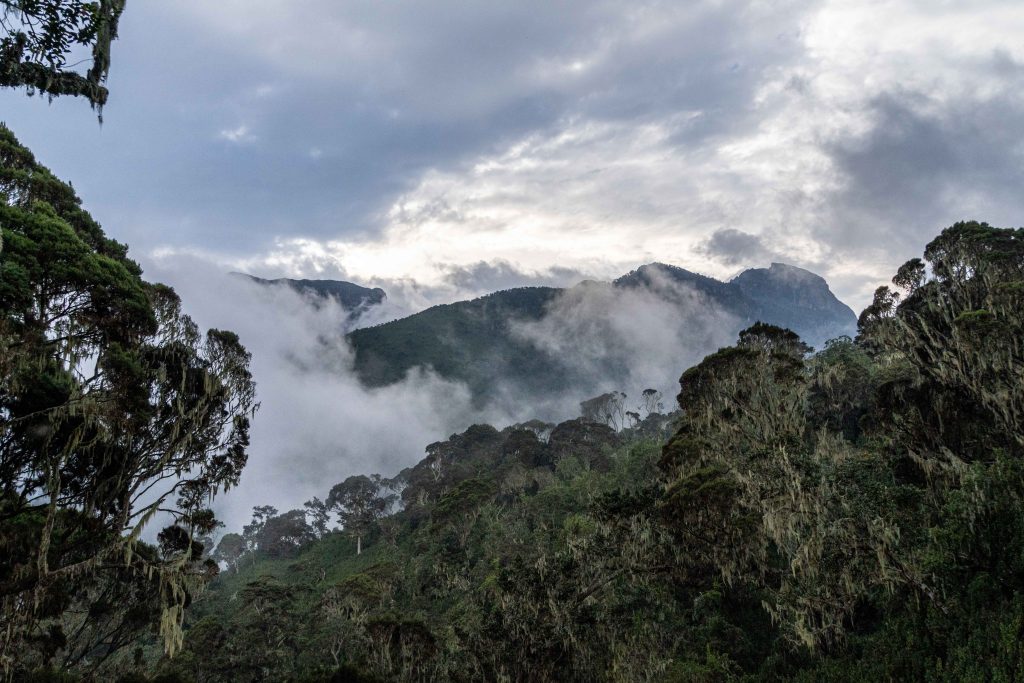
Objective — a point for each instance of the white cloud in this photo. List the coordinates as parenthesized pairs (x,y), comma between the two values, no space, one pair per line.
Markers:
(602,193)
(317,424)
(239,135)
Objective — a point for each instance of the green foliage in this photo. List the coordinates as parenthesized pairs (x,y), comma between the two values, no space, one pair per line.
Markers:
(112,405)
(41,35)
(846,516)
(871,495)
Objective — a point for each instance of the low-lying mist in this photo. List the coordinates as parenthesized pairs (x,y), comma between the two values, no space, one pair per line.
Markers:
(630,339)
(317,424)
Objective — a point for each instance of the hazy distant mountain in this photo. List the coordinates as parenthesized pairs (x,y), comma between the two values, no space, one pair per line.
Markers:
(482,342)
(781,294)
(798,299)
(470,341)
(352,297)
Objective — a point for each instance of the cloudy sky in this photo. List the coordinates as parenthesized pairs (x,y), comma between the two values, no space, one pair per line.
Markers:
(499,143)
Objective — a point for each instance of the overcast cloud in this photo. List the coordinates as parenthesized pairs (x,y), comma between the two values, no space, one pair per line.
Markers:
(415,142)
(447,149)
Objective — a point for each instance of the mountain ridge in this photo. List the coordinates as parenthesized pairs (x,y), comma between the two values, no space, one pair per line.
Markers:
(478,341)
(348,295)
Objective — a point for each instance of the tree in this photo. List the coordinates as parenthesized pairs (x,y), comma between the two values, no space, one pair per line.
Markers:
(318,516)
(251,531)
(284,535)
(609,409)
(230,550)
(41,35)
(764,496)
(113,407)
(359,502)
(584,439)
(650,402)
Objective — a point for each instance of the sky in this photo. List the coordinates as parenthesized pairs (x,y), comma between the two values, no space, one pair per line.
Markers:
(485,145)
(445,150)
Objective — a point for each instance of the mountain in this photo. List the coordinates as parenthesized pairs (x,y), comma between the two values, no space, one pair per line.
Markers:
(782,295)
(495,338)
(798,299)
(352,297)
(471,341)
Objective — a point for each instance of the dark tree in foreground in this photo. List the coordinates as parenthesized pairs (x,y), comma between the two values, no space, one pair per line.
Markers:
(359,502)
(113,407)
(40,36)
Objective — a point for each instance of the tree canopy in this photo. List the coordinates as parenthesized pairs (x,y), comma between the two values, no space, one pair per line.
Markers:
(114,411)
(41,36)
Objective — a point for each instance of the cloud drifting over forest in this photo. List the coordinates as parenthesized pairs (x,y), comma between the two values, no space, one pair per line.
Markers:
(408,141)
(317,424)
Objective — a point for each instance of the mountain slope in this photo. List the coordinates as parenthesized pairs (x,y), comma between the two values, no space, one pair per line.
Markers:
(798,299)
(350,296)
(481,342)
(470,341)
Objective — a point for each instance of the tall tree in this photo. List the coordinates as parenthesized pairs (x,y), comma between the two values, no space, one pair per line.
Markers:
(284,535)
(230,550)
(251,531)
(359,502)
(318,516)
(113,407)
(609,409)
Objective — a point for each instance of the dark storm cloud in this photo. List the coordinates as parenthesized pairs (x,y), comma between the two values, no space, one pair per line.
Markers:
(925,164)
(735,247)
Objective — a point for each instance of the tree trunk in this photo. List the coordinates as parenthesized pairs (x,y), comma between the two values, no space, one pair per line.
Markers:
(359,545)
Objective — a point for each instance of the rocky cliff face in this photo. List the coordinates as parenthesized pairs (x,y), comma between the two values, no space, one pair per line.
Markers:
(798,299)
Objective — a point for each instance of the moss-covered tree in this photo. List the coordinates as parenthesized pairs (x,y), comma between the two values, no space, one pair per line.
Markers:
(40,36)
(114,411)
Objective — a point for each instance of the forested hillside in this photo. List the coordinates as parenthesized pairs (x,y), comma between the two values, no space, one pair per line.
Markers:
(355,299)
(826,497)
(850,515)
(516,340)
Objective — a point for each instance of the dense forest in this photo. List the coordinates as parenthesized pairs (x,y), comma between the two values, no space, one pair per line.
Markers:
(851,514)
(848,513)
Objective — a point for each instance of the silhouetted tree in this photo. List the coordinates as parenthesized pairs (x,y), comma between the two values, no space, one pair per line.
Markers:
(284,535)
(609,409)
(318,516)
(230,550)
(650,402)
